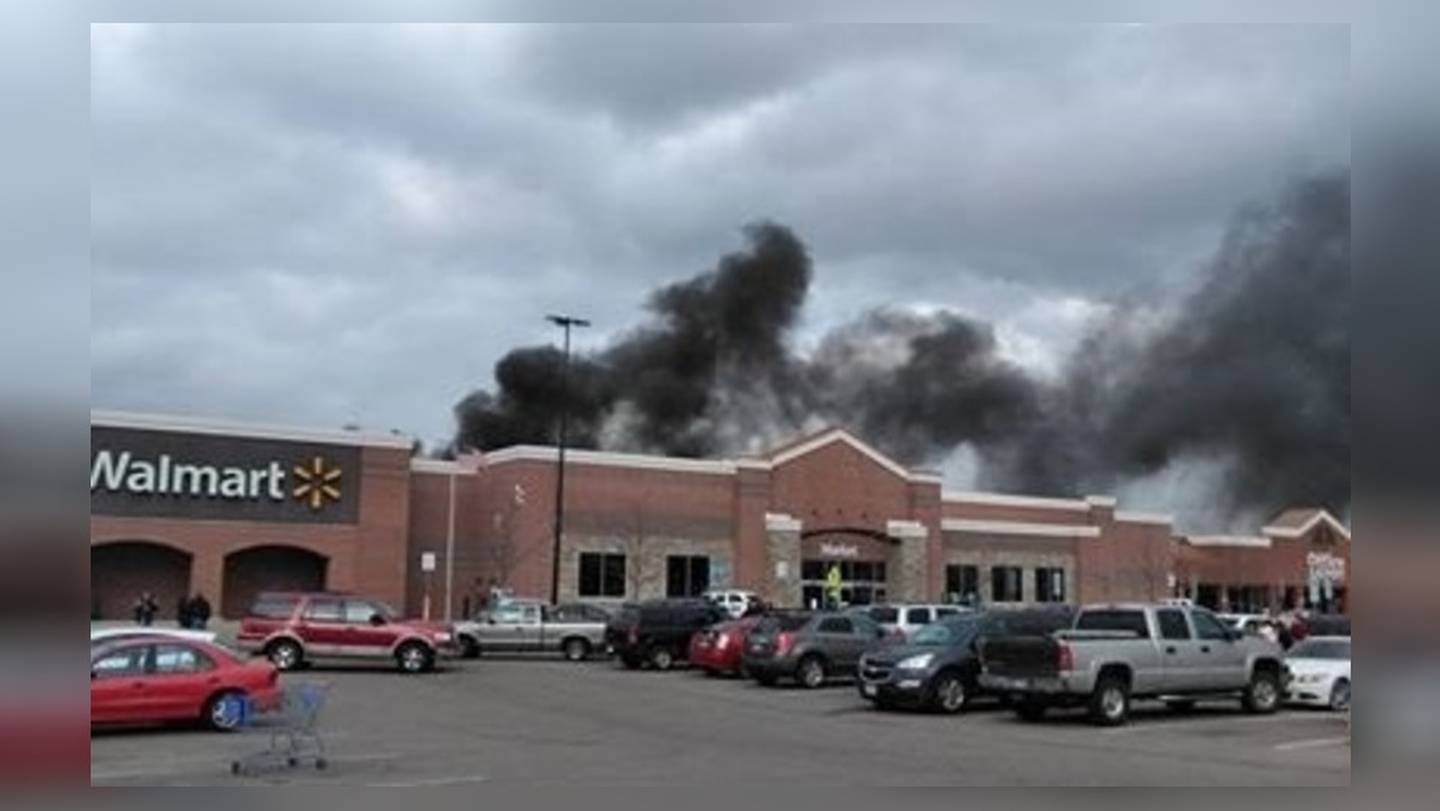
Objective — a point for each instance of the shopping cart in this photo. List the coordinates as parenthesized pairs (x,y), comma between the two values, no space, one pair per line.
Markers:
(293,730)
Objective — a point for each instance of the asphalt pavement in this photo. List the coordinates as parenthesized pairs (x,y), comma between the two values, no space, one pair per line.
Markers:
(540,721)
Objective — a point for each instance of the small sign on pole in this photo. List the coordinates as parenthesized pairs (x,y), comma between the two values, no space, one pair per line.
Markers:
(427,561)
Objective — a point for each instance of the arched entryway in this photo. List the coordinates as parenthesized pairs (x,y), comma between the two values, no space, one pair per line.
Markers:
(123,570)
(269,568)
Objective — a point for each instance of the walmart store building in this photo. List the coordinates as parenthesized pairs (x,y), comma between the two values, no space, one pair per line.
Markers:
(182,505)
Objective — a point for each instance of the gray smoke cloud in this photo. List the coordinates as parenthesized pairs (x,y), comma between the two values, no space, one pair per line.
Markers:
(1245,383)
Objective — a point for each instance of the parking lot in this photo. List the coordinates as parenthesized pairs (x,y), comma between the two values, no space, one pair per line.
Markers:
(541,721)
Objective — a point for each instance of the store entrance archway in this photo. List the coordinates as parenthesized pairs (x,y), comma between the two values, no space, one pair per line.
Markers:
(123,570)
(269,568)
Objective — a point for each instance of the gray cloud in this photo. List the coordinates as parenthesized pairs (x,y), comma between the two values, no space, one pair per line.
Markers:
(352,224)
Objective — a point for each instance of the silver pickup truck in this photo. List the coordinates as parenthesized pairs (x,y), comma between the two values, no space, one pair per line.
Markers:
(1117,653)
(525,626)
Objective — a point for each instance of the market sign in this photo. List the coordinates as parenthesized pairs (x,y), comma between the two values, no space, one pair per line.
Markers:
(837,550)
(165,474)
(1326,567)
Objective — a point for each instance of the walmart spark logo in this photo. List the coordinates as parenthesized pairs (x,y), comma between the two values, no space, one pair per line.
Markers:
(317,483)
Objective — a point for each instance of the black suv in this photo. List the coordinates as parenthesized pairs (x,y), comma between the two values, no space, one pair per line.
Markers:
(658,632)
(940,667)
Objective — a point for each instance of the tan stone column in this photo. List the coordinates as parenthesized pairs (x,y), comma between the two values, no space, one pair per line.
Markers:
(909,574)
(782,557)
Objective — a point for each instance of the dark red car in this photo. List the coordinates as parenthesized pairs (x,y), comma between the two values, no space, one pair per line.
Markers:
(718,649)
(160,679)
(294,629)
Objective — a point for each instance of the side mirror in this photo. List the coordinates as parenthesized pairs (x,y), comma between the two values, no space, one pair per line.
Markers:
(377,620)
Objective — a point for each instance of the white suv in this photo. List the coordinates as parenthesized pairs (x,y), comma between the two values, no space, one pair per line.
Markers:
(908,618)
(734,602)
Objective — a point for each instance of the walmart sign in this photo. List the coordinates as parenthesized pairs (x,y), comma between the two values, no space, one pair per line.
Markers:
(177,475)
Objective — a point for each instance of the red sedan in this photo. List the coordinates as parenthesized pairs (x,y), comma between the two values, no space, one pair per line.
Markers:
(153,680)
(717,649)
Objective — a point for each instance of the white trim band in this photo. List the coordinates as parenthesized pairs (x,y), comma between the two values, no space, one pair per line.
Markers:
(1015,528)
(537,453)
(1145,518)
(1295,532)
(1003,500)
(780,522)
(906,529)
(247,430)
(1234,541)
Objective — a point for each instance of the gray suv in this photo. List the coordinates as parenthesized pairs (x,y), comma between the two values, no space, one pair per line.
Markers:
(810,648)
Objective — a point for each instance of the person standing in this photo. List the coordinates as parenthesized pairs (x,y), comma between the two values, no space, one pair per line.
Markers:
(183,616)
(199,612)
(145,609)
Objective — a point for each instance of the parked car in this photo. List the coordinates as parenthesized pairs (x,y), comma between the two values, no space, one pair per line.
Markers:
(720,649)
(1317,672)
(157,679)
(658,632)
(736,603)
(939,668)
(118,633)
(299,628)
(811,648)
(1117,653)
(518,626)
(907,618)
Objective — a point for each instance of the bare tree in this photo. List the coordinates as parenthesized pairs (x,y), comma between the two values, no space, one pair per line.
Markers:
(638,532)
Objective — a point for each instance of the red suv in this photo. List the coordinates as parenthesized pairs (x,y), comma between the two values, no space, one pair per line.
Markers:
(294,629)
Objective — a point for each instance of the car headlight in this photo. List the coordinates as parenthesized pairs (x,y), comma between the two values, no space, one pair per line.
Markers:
(916,662)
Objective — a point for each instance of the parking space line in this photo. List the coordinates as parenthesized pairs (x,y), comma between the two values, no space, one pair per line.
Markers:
(1183,723)
(1313,743)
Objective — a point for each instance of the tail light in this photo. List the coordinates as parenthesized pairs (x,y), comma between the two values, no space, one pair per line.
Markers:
(783,643)
(722,641)
(1066,658)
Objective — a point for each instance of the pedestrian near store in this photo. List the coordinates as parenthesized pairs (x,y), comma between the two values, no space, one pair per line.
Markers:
(145,609)
(183,616)
(199,612)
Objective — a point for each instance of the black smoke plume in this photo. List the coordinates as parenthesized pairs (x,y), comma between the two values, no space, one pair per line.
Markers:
(1253,369)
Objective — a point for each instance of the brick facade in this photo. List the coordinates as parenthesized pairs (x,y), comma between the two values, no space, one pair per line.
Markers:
(763,523)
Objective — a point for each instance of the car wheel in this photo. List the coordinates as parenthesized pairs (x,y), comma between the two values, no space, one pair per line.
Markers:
(285,655)
(1262,696)
(662,659)
(469,647)
(950,694)
(1030,709)
(1110,703)
(811,672)
(1340,695)
(226,712)
(1181,705)
(413,657)
(576,650)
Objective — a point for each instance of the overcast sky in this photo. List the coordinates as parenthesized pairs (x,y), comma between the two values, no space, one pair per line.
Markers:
(330,225)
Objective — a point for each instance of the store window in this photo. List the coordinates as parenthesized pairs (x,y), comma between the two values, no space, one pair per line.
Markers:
(687,575)
(962,583)
(602,575)
(1007,584)
(1049,585)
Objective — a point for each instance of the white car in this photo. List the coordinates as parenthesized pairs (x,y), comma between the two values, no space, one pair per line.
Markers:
(116,633)
(1318,672)
(907,618)
(735,602)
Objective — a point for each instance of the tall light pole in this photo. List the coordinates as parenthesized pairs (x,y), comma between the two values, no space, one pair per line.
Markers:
(565,322)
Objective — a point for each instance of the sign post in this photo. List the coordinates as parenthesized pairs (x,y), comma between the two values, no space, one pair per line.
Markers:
(427,565)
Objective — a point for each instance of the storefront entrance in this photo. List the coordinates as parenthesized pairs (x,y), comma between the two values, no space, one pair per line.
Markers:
(862,558)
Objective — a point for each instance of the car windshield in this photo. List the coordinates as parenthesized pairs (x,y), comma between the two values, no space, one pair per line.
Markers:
(943,634)
(1321,649)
